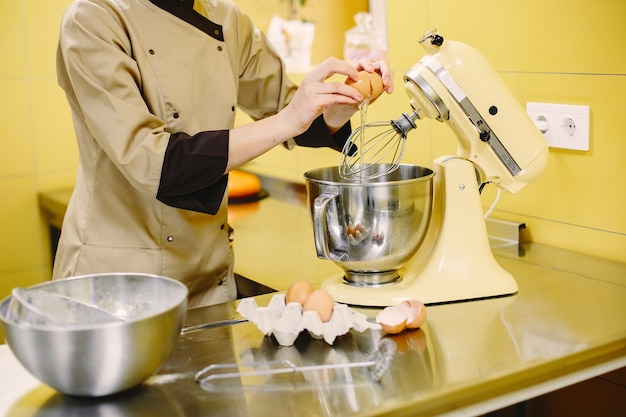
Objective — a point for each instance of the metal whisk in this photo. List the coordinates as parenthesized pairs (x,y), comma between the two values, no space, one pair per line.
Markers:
(367,157)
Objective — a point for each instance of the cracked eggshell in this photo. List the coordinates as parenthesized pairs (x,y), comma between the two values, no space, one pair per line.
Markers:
(369,84)
(415,313)
(392,319)
(287,321)
(409,314)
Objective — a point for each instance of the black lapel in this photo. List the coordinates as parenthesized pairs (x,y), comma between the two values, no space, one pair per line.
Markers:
(183,9)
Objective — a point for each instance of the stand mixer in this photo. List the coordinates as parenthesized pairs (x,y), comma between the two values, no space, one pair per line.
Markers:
(452,260)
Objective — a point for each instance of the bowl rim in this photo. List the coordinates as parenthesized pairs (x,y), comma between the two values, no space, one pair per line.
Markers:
(310,176)
(4,303)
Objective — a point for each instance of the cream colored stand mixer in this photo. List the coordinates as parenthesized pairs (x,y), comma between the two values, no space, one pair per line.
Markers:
(497,143)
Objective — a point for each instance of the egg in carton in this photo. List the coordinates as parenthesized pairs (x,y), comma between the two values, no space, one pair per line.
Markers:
(286,321)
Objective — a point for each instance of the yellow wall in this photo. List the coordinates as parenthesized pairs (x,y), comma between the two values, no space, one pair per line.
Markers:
(561,51)
(558,51)
(37,139)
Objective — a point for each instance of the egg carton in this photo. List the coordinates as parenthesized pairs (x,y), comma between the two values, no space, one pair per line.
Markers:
(287,321)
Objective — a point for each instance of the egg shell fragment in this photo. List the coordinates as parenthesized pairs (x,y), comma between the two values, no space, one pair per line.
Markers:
(409,314)
(392,319)
(415,312)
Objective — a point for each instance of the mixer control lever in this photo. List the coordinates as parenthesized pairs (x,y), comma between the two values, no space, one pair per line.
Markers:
(431,35)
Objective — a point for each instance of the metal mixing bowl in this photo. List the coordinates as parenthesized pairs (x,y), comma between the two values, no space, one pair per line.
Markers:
(103,358)
(371,228)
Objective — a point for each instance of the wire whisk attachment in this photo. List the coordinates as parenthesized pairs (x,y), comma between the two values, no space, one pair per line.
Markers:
(375,364)
(365,157)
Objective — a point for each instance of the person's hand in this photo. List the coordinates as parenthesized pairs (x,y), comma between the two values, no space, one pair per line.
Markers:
(315,94)
(381,67)
(336,116)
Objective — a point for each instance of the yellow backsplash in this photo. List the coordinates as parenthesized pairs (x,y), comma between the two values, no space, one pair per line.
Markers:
(545,51)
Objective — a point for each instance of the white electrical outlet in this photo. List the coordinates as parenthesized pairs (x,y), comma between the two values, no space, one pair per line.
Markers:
(564,126)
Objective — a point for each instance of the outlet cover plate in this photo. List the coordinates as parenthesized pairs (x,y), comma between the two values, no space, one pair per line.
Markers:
(564,126)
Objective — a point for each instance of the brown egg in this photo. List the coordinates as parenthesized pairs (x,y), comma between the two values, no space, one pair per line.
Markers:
(322,302)
(392,319)
(370,84)
(415,312)
(298,292)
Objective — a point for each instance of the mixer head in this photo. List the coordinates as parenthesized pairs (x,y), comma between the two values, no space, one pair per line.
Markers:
(454,84)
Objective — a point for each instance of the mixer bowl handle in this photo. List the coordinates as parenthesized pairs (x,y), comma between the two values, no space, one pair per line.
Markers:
(320,224)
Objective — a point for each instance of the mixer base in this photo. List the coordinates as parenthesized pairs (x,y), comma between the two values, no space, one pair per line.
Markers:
(445,291)
(371,279)
(454,263)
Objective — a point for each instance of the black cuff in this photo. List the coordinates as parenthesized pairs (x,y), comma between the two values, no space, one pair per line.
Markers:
(192,176)
(318,136)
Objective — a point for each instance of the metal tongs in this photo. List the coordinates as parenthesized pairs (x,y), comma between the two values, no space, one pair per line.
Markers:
(376,363)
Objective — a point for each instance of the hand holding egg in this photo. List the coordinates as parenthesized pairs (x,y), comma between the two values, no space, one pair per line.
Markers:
(369,84)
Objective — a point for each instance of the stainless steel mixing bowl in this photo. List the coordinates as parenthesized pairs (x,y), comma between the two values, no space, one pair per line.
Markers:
(102,358)
(370,228)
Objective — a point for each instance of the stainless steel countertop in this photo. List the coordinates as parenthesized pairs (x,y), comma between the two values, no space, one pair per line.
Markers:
(561,328)
(565,325)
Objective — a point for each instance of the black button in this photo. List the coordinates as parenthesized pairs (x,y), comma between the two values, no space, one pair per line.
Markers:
(437,40)
(493,110)
(176,115)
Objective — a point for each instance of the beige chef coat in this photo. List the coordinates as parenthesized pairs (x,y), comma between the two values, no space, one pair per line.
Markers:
(135,74)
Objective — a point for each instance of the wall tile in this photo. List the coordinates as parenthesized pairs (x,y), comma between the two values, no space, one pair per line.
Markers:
(12,43)
(404,31)
(54,138)
(558,36)
(56,180)
(17,155)
(41,27)
(22,243)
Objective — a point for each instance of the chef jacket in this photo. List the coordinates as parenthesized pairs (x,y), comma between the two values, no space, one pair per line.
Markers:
(153,87)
